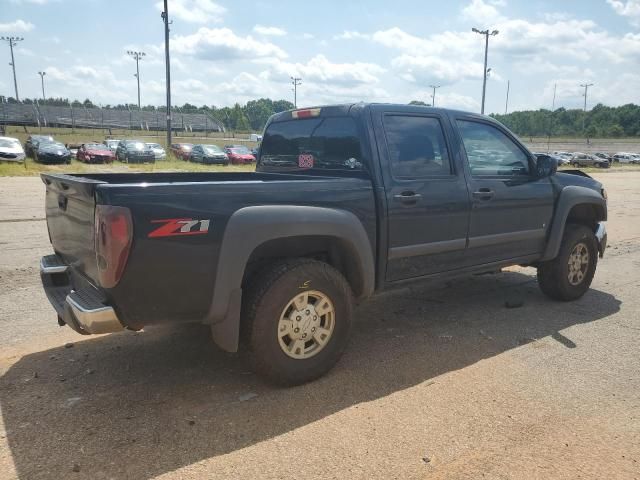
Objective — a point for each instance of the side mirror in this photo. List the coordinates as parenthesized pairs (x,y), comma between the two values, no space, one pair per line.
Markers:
(546,166)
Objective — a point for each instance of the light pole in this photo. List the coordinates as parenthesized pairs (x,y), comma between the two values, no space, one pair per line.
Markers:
(486,34)
(586,89)
(506,103)
(433,95)
(42,74)
(13,41)
(137,56)
(295,81)
(165,19)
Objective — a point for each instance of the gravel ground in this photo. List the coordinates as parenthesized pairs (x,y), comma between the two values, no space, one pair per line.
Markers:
(439,382)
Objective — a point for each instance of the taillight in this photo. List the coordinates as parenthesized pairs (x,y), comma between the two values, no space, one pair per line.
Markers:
(306,113)
(114,232)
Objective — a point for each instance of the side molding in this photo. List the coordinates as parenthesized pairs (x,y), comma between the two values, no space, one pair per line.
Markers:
(250,227)
(569,198)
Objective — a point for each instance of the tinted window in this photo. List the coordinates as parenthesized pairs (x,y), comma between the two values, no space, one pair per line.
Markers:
(416,146)
(490,152)
(330,143)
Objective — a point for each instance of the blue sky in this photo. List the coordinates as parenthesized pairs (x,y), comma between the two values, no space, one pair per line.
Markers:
(233,51)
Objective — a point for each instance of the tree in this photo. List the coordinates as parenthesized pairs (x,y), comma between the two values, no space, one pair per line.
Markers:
(418,102)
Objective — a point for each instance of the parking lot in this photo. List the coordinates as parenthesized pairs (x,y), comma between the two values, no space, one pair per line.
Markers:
(440,381)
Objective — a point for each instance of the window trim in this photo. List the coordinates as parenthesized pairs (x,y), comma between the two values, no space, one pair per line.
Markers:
(452,168)
(505,132)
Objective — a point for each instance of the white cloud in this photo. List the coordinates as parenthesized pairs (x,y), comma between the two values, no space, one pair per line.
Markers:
(351,35)
(483,13)
(307,36)
(35,2)
(420,68)
(194,11)
(221,44)
(25,52)
(627,8)
(18,26)
(269,31)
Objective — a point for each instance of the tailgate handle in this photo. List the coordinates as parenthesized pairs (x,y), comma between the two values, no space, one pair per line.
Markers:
(62,202)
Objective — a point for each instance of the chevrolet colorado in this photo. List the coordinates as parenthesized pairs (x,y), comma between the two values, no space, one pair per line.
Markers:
(346,201)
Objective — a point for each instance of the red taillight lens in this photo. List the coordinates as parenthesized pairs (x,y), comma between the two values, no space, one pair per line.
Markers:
(114,232)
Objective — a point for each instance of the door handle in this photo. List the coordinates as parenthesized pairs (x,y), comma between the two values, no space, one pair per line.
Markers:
(484,194)
(408,198)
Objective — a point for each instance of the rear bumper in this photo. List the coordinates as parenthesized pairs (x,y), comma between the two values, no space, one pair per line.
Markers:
(84,309)
(601,236)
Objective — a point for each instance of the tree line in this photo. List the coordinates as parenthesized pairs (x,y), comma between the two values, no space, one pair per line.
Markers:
(251,116)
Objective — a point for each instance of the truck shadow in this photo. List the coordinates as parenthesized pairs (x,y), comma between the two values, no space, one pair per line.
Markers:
(139,405)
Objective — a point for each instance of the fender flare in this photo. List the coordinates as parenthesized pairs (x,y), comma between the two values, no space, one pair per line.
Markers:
(250,227)
(570,197)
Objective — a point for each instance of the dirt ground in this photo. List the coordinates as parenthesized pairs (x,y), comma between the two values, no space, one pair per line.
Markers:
(439,382)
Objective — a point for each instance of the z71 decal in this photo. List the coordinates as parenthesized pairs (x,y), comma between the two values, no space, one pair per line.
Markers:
(174,227)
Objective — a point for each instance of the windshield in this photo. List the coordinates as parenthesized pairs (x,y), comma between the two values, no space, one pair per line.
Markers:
(4,143)
(136,145)
(153,145)
(212,149)
(330,143)
(240,150)
(52,145)
(94,146)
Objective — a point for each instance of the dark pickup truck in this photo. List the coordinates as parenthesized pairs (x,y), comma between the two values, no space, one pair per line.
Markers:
(346,201)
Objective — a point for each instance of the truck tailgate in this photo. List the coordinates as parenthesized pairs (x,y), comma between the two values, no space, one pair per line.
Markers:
(70,207)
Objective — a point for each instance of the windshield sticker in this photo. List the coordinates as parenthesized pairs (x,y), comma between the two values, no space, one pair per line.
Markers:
(305,160)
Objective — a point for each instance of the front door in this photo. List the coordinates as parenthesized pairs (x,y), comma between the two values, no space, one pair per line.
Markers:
(427,197)
(511,207)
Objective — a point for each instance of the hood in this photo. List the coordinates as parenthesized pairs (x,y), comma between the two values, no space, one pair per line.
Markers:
(576,178)
(13,149)
(51,148)
(101,151)
(241,155)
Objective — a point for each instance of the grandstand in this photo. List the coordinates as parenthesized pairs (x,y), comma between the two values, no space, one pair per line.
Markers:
(83,117)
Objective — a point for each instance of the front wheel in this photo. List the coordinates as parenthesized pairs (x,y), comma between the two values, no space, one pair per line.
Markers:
(569,275)
(297,320)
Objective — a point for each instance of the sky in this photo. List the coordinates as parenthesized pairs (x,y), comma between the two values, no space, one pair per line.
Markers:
(224,51)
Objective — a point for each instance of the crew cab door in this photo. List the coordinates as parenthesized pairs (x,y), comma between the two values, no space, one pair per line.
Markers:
(427,199)
(511,207)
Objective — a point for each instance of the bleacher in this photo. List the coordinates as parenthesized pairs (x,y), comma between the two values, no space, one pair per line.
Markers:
(82,117)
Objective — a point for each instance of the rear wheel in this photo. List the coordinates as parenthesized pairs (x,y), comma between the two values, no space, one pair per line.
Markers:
(569,275)
(297,320)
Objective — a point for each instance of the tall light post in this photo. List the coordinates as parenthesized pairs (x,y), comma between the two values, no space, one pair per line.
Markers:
(295,81)
(586,90)
(506,102)
(13,41)
(433,95)
(486,34)
(165,19)
(42,74)
(137,56)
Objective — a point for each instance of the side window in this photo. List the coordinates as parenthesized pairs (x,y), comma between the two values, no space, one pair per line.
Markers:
(490,152)
(416,146)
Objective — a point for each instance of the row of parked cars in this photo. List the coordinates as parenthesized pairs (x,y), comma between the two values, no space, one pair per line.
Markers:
(213,154)
(598,159)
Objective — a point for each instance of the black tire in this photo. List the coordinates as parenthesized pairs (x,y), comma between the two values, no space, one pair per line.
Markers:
(268,294)
(553,276)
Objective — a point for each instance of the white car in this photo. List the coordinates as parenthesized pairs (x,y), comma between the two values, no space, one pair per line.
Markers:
(158,151)
(624,157)
(11,150)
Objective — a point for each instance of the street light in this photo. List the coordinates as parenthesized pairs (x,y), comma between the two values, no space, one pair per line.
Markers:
(586,89)
(433,96)
(165,20)
(137,56)
(13,41)
(295,81)
(486,34)
(42,74)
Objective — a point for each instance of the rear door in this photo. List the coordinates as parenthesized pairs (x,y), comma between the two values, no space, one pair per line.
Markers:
(427,197)
(511,207)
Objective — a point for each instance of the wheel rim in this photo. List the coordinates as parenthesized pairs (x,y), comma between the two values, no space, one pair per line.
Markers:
(578,264)
(306,324)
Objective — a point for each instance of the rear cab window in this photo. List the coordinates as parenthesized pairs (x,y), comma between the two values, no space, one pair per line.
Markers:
(314,144)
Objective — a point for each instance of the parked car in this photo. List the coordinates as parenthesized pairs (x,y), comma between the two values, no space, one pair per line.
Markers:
(624,157)
(11,150)
(209,154)
(51,153)
(134,151)
(283,253)
(112,144)
(604,156)
(73,148)
(580,159)
(635,157)
(182,150)
(239,154)
(158,151)
(31,143)
(95,153)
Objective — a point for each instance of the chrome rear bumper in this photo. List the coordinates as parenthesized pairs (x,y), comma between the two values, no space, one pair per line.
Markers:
(82,309)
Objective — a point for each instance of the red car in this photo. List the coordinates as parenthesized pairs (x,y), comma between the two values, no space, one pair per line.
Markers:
(181,150)
(95,153)
(239,154)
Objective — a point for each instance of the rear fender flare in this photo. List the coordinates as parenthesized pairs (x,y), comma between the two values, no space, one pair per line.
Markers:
(250,227)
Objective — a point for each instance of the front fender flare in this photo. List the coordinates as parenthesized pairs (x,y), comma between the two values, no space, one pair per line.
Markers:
(570,197)
(250,227)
